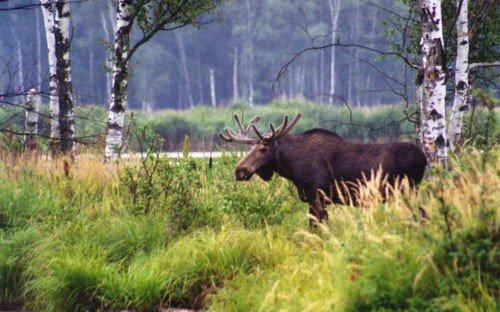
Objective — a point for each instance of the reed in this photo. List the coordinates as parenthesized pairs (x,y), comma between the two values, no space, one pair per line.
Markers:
(72,239)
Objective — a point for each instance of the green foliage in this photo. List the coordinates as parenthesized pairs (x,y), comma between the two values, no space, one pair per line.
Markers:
(202,123)
(150,233)
(483,34)
(483,128)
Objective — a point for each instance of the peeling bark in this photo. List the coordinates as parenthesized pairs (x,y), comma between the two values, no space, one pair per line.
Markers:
(56,17)
(434,83)
(118,101)
(31,121)
(63,77)
(48,20)
(461,98)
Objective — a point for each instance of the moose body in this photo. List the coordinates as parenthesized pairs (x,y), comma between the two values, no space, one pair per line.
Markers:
(319,159)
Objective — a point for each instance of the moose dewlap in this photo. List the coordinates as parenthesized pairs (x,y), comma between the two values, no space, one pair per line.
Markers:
(318,160)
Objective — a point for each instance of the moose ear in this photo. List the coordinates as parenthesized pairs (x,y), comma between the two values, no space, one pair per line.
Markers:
(265,172)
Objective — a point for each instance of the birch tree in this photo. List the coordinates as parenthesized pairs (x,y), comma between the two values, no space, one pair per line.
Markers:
(334,18)
(151,17)
(434,83)
(460,100)
(31,120)
(56,17)
(119,80)
(48,21)
(64,83)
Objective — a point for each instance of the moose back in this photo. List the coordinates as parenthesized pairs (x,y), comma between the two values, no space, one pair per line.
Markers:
(318,159)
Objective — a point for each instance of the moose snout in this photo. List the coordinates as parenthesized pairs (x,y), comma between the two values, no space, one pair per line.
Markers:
(243,174)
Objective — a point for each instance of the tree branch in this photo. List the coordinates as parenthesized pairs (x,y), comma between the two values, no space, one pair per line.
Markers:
(485,64)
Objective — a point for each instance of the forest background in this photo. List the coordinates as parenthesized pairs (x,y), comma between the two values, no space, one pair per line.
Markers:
(244,52)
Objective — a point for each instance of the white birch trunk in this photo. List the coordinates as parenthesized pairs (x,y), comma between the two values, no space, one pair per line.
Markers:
(212,88)
(250,56)
(31,121)
(460,101)
(118,101)
(334,17)
(48,21)
(184,68)
(434,117)
(235,73)
(64,83)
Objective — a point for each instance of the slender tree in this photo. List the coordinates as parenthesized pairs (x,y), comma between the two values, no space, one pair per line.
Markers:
(64,82)
(31,120)
(434,65)
(334,17)
(151,17)
(57,32)
(460,100)
(48,20)
(184,69)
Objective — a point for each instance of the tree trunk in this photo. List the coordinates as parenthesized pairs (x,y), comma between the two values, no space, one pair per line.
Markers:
(334,17)
(212,88)
(250,54)
(354,68)
(235,73)
(63,75)
(460,101)
(31,121)
(48,21)
(118,101)
(434,117)
(184,68)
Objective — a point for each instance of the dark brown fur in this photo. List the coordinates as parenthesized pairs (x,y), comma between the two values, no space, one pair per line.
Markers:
(317,159)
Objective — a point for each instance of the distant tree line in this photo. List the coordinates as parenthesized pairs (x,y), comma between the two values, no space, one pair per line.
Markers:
(367,53)
(244,53)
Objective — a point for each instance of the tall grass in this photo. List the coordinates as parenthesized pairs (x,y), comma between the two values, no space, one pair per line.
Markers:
(78,238)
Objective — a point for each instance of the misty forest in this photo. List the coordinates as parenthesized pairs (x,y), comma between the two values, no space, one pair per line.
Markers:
(370,182)
(243,46)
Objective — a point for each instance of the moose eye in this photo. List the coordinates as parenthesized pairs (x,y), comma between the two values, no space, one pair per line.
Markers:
(263,149)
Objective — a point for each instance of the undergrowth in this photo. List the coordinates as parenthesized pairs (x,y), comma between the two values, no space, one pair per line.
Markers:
(152,233)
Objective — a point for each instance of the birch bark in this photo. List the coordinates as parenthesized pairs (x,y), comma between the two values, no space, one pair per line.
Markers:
(48,21)
(118,101)
(63,74)
(31,121)
(460,101)
(434,118)
(334,17)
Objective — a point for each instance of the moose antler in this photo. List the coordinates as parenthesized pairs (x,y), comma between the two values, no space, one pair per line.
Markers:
(243,136)
(276,133)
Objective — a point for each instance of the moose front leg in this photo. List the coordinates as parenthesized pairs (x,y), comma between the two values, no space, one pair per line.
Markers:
(317,208)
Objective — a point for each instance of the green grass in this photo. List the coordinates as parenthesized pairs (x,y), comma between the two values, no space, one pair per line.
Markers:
(84,240)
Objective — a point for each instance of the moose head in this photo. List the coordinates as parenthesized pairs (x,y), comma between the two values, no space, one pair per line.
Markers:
(261,157)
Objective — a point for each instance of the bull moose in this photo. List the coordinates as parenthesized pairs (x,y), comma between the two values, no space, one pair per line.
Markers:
(317,160)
